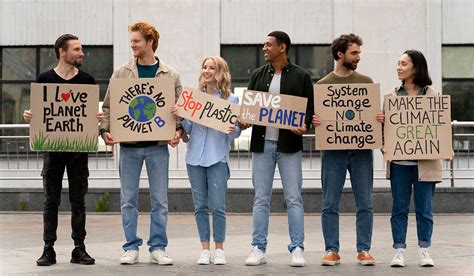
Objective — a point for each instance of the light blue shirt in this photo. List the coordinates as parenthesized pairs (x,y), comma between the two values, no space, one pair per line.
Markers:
(208,146)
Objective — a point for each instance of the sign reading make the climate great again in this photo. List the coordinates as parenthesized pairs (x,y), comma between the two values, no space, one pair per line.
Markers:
(140,109)
(417,127)
(64,117)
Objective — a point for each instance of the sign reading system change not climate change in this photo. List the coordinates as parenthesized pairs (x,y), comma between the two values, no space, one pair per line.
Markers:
(348,116)
(64,117)
(140,109)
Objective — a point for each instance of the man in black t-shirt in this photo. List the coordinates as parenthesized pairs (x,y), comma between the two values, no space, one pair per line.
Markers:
(69,52)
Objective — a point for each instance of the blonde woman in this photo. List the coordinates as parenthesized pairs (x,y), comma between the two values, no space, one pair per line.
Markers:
(207,162)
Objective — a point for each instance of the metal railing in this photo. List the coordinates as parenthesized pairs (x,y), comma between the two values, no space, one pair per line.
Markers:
(17,161)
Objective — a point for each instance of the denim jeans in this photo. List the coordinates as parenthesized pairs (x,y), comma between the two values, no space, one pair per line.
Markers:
(403,178)
(209,190)
(335,163)
(156,159)
(263,170)
(54,164)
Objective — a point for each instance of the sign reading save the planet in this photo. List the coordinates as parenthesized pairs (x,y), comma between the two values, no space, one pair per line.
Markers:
(417,127)
(207,110)
(274,110)
(348,116)
(140,109)
(64,117)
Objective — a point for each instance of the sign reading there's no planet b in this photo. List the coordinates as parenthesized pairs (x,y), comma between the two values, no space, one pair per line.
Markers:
(140,109)
(207,110)
(273,110)
(348,116)
(64,117)
(417,127)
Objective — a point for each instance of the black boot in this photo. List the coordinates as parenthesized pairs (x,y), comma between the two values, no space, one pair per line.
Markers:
(48,257)
(80,256)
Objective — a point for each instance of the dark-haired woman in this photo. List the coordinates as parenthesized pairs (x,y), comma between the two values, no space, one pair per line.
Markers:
(419,176)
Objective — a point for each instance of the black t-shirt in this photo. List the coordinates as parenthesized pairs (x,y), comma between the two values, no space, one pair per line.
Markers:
(52,77)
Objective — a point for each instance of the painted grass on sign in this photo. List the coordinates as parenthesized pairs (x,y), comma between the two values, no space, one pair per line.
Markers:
(41,142)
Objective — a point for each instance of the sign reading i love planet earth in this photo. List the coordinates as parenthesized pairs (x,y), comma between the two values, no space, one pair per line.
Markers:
(348,116)
(140,109)
(64,117)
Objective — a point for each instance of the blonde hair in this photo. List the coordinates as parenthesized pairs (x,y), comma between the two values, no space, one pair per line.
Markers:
(222,76)
(148,31)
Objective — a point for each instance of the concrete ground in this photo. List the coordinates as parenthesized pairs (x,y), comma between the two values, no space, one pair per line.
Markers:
(21,245)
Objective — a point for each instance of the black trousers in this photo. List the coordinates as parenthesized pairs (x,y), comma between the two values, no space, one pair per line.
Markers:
(54,164)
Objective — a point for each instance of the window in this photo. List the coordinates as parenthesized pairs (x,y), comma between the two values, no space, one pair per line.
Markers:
(243,59)
(19,66)
(458,80)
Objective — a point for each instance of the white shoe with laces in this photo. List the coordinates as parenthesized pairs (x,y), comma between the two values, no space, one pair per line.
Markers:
(129,257)
(297,258)
(204,258)
(425,259)
(219,258)
(399,259)
(160,257)
(256,257)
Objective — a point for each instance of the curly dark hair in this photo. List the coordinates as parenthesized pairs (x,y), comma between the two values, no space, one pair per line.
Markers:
(341,43)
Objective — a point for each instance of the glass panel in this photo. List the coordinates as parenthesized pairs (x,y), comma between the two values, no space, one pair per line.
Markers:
(48,59)
(316,59)
(462,99)
(458,62)
(14,99)
(241,59)
(18,63)
(98,61)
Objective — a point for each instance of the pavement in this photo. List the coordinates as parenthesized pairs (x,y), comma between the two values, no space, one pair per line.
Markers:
(21,244)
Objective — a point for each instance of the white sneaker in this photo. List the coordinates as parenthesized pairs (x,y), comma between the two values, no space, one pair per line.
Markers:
(297,258)
(160,257)
(129,257)
(204,258)
(219,258)
(256,257)
(425,259)
(399,259)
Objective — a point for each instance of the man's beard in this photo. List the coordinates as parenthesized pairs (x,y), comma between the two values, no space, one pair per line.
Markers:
(350,65)
(74,62)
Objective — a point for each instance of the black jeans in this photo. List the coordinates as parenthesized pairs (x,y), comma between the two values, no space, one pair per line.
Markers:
(54,164)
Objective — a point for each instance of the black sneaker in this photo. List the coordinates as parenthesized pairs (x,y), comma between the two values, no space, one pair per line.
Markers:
(80,256)
(48,257)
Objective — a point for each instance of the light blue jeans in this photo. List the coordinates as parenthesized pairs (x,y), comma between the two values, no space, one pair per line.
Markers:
(263,171)
(359,163)
(209,190)
(131,161)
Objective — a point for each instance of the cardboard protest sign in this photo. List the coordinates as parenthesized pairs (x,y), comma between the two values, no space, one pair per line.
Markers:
(140,109)
(273,110)
(207,110)
(64,117)
(347,113)
(417,127)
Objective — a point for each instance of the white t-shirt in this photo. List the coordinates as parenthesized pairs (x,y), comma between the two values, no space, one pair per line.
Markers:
(271,133)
